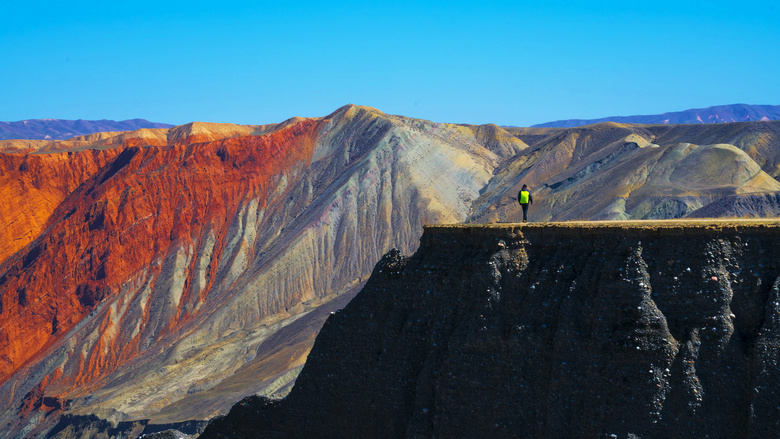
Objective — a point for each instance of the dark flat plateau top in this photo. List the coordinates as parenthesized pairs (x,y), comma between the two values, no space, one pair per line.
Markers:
(705,223)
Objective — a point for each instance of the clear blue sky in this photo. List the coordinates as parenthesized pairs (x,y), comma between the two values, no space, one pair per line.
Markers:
(505,62)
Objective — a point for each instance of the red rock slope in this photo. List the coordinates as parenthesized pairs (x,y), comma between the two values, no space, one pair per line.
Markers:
(115,215)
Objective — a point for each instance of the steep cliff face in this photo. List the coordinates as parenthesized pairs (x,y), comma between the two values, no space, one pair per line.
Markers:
(34,186)
(659,329)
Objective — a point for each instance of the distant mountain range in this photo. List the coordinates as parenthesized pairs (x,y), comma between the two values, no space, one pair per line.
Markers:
(718,114)
(58,129)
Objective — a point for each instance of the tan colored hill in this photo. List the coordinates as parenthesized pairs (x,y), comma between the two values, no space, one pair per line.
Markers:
(616,171)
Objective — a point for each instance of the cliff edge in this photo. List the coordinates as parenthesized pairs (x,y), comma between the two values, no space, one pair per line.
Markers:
(614,329)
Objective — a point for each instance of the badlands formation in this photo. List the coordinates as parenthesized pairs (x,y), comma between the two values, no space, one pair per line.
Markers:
(158,276)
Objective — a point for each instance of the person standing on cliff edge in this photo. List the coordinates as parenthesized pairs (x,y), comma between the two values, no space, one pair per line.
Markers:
(524,198)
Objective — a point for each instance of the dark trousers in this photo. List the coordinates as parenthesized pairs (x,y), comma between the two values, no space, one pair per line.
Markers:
(525,211)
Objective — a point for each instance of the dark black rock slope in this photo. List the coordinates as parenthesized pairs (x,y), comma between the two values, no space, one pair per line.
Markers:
(648,330)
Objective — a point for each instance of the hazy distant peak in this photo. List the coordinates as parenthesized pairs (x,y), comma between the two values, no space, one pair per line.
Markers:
(60,129)
(716,114)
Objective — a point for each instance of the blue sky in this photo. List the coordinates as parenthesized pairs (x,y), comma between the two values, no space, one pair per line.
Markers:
(504,62)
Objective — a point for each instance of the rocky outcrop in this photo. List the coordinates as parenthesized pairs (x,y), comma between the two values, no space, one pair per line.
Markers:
(650,329)
(70,426)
